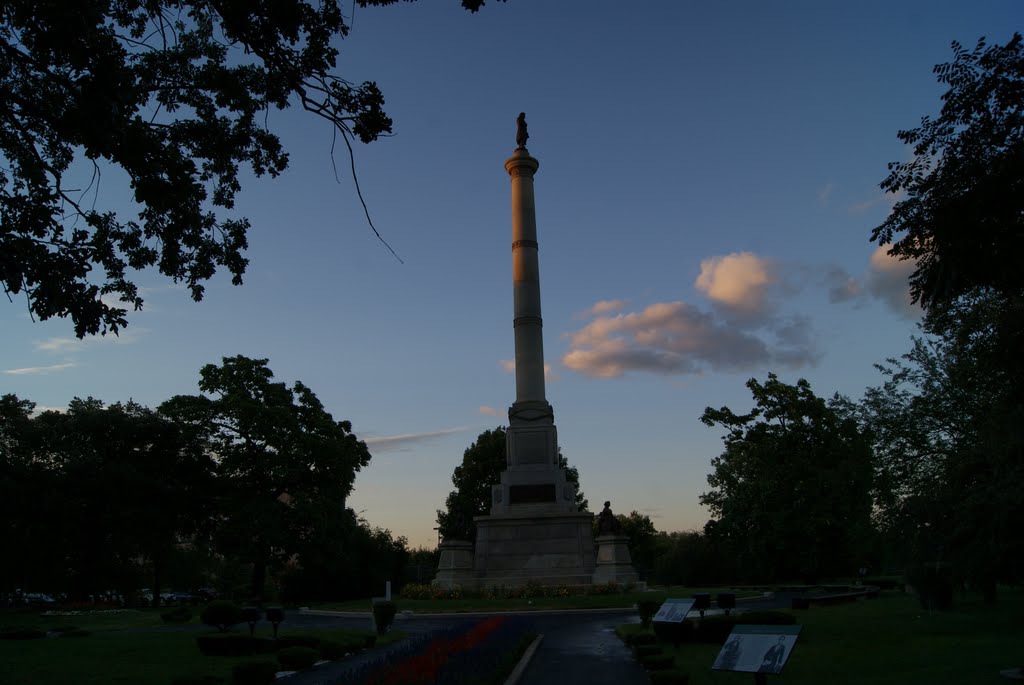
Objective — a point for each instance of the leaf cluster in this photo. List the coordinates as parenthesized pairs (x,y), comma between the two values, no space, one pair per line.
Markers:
(962,219)
(177,96)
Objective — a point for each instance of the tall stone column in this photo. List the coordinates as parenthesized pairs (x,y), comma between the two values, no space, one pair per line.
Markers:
(533,477)
(527,322)
(533,532)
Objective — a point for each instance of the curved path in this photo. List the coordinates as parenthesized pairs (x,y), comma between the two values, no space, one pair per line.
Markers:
(578,646)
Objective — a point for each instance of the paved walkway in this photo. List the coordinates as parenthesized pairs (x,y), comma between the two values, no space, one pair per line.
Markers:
(578,647)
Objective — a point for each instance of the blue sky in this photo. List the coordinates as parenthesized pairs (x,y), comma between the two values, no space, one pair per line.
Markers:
(708,181)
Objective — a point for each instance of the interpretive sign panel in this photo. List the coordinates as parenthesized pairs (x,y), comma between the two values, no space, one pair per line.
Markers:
(674,610)
(757,649)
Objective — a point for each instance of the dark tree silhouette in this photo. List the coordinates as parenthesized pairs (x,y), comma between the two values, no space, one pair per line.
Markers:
(791,493)
(482,464)
(176,94)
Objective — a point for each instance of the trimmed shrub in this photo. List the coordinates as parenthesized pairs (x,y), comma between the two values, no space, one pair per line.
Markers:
(297,658)
(254,673)
(310,641)
(197,680)
(643,639)
(674,633)
(670,676)
(77,632)
(332,649)
(384,615)
(21,633)
(657,662)
(221,614)
(181,614)
(233,645)
(647,608)
(369,640)
(645,650)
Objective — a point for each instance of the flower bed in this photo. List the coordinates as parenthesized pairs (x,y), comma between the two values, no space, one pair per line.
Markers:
(484,652)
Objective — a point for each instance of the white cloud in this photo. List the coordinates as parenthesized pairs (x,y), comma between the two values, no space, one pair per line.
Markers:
(677,338)
(824,193)
(888,280)
(605,307)
(40,409)
(737,281)
(488,411)
(59,344)
(39,370)
(401,443)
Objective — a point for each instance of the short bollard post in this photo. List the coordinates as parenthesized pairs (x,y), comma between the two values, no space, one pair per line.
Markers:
(275,615)
(726,601)
(702,602)
(251,615)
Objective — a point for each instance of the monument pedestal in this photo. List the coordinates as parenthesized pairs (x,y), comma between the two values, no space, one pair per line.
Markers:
(550,548)
(455,567)
(614,564)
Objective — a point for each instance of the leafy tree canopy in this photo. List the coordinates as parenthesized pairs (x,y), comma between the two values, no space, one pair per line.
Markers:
(280,456)
(482,464)
(962,219)
(791,491)
(176,94)
(948,440)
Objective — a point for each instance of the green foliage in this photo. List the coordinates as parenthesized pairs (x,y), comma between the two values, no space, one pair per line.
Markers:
(933,583)
(21,633)
(961,220)
(482,464)
(647,608)
(644,540)
(766,496)
(692,559)
(949,445)
(646,650)
(174,95)
(197,680)
(181,614)
(297,658)
(286,641)
(657,662)
(77,632)
(284,464)
(383,615)
(254,673)
(233,645)
(333,649)
(221,614)
(644,638)
(670,677)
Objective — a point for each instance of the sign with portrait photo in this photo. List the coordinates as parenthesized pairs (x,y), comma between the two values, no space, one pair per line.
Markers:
(757,649)
(674,610)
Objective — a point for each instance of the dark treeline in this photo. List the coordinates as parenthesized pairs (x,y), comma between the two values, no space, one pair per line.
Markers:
(241,490)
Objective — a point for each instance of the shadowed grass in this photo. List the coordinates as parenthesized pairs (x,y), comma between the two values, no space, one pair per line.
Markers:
(888,641)
(118,654)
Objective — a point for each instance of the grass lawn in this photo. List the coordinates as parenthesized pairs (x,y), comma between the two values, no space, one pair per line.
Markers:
(616,601)
(889,641)
(131,648)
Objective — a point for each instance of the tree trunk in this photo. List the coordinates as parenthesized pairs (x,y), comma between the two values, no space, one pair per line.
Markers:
(157,572)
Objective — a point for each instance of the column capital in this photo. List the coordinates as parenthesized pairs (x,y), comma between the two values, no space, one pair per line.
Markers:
(521,163)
